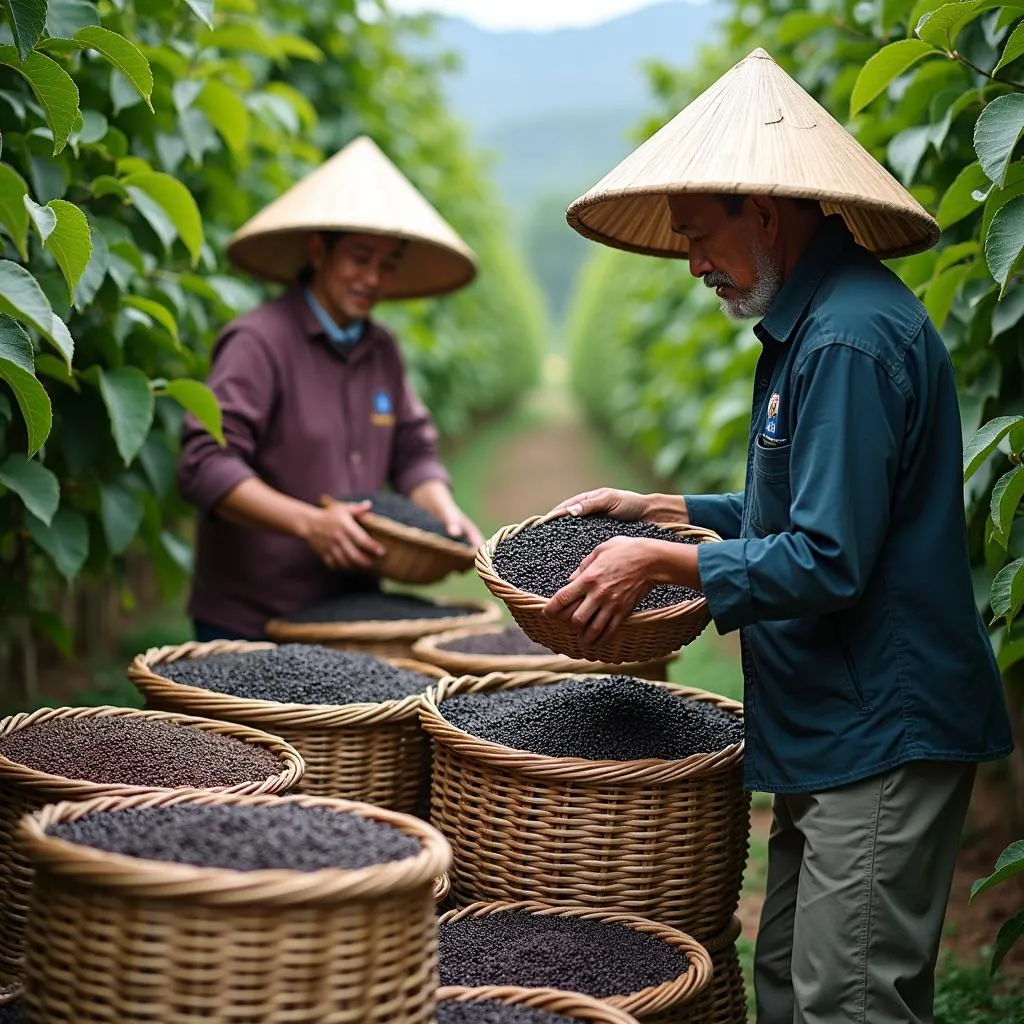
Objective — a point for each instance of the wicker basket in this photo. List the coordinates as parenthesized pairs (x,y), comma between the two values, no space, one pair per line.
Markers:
(661,839)
(413,555)
(376,753)
(644,636)
(566,1004)
(120,940)
(385,638)
(644,1003)
(724,1000)
(24,789)
(432,649)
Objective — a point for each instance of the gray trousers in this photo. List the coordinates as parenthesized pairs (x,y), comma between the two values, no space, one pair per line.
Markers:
(858,882)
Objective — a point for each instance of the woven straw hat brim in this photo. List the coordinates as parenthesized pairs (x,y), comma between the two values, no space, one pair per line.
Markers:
(358,190)
(754,132)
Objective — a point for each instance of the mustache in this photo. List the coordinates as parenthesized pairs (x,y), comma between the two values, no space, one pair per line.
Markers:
(716,279)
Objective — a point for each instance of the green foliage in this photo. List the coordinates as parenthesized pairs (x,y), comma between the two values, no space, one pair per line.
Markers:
(1010,863)
(135,138)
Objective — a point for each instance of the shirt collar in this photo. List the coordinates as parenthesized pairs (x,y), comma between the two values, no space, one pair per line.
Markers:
(344,337)
(787,308)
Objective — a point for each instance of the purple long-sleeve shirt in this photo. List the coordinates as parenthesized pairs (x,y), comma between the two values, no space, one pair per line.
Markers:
(308,419)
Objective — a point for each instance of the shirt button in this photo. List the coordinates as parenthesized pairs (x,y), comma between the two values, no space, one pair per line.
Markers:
(356,457)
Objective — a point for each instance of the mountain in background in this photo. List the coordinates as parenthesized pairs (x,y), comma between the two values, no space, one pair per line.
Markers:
(555,111)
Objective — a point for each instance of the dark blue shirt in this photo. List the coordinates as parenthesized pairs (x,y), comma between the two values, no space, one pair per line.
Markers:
(846,563)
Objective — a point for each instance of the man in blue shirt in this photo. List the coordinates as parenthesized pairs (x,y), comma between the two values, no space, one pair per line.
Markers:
(870,687)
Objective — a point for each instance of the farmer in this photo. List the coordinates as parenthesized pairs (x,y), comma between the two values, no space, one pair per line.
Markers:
(315,398)
(870,686)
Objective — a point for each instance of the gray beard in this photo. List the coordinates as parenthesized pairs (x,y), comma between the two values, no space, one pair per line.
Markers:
(755,302)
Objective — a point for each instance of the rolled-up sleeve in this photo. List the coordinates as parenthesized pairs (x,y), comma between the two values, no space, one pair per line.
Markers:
(843,466)
(414,456)
(244,380)
(722,513)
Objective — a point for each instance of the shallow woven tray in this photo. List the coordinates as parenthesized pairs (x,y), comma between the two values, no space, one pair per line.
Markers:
(568,1004)
(644,1003)
(414,555)
(387,638)
(461,663)
(644,636)
(377,753)
(121,940)
(24,789)
(724,999)
(662,839)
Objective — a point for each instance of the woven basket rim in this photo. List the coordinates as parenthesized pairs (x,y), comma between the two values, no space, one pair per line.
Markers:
(385,629)
(278,887)
(576,769)
(514,597)
(458,663)
(432,542)
(642,1002)
(12,993)
(442,887)
(149,682)
(568,1004)
(58,787)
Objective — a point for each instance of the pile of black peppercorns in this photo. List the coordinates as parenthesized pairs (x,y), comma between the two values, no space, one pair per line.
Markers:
(540,559)
(399,509)
(298,674)
(377,606)
(572,954)
(490,1012)
(242,837)
(13,1012)
(509,642)
(138,751)
(600,718)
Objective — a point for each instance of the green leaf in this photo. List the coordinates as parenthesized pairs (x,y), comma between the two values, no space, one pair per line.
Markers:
(1006,938)
(199,400)
(298,47)
(227,113)
(984,442)
(65,17)
(96,270)
(54,88)
(942,291)
(940,27)
(1004,242)
(1008,313)
(121,513)
(1013,49)
(157,310)
(16,367)
(65,540)
(1010,863)
(37,487)
(129,403)
(906,150)
(13,214)
(44,219)
(953,254)
(202,9)
(1006,496)
(174,200)
(61,338)
(996,133)
(884,68)
(1008,591)
(27,19)
(123,54)
(56,369)
(21,297)
(959,201)
(71,241)
(999,197)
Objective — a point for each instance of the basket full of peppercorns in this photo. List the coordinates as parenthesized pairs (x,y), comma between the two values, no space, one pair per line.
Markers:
(417,546)
(528,563)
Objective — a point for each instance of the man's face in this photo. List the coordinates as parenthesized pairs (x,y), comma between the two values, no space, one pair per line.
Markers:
(352,275)
(728,252)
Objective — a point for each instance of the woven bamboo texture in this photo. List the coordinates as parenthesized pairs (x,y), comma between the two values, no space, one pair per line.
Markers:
(120,940)
(385,638)
(432,649)
(644,1003)
(413,555)
(24,789)
(724,999)
(568,1004)
(376,753)
(662,839)
(643,636)
(442,888)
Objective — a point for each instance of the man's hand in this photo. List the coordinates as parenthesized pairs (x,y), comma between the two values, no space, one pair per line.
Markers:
(334,533)
(436,498)
(629,506)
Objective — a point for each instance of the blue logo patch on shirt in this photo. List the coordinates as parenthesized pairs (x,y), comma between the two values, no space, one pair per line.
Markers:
(383,413)
(770,438)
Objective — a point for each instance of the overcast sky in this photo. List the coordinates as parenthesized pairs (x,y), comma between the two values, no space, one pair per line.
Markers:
(528,14)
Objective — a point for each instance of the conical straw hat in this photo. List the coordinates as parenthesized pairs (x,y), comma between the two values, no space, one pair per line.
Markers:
(754,132)
(359,189)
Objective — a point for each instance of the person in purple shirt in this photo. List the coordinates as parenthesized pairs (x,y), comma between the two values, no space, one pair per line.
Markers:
(315,403)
